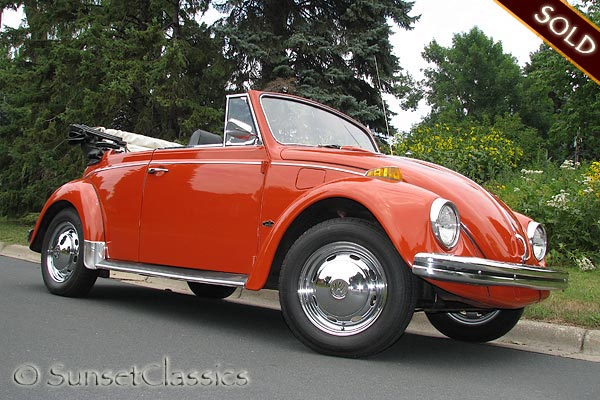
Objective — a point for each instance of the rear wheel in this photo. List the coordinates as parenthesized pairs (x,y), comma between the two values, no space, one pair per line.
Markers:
(210,291)
(344,290)
(475,326)
(62,257)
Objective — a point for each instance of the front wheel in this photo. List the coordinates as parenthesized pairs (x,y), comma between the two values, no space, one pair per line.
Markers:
(344,290)
(475,326)
(62,257)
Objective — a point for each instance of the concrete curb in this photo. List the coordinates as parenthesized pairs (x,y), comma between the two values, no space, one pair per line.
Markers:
(18,251)
(540,337)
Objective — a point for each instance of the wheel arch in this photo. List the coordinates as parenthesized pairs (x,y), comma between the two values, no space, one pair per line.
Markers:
(320,211)
(371,199)
(82,197)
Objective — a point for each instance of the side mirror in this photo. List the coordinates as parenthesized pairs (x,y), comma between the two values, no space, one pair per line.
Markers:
(238,133)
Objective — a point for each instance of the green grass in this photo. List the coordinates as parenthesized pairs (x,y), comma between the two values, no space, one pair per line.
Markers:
(578,305)
(14,231)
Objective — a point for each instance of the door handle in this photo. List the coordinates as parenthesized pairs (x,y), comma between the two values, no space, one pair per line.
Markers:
(153,171)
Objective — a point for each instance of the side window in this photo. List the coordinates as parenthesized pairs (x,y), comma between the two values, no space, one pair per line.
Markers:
(239,124)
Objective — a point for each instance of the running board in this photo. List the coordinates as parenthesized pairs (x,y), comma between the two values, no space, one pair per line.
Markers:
(182,274)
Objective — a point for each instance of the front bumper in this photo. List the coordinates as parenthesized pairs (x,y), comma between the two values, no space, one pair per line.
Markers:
(480,271)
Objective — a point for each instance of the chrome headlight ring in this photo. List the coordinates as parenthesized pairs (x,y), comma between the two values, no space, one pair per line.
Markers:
(537,239)
(445,222)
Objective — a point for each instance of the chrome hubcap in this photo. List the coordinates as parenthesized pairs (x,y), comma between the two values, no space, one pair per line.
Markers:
(63,252)
(473,318)
(342,288)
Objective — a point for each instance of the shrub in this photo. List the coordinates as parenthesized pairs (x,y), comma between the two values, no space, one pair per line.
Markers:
(480,153)
(567,200)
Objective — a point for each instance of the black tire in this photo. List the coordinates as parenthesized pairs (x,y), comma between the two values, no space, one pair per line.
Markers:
(335,314)
(62,257)
(210,291)
(473,326)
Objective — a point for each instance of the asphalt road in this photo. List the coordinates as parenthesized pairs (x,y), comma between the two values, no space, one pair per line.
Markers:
(126,341)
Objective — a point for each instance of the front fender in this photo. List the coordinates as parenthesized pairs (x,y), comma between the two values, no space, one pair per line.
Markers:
(401,209)
(80,195)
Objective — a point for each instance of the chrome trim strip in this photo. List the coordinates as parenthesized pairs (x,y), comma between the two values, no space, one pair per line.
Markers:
(182,274)
(167,162)
(480,271)
(93,253)
(289,164)
(204,146)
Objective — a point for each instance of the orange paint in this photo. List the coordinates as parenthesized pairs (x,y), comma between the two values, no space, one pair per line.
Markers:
(227,208)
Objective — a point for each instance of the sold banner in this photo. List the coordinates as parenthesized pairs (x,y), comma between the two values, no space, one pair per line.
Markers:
(563,28)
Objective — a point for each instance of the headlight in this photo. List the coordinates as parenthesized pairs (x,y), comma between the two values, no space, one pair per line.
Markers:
(445,222)
(537,239)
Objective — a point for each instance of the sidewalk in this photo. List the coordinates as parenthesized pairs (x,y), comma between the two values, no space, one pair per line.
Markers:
(539,337)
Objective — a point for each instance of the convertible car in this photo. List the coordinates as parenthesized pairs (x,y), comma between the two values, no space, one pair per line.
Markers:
(296,196)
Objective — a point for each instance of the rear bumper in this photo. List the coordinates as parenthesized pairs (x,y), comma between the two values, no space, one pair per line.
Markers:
(480,271)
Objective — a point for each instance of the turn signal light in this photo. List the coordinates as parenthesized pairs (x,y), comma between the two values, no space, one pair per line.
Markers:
(392,173)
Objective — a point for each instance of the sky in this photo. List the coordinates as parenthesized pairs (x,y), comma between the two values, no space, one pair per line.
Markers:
(440,20)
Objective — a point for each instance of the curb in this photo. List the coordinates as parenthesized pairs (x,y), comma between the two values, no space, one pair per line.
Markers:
(539,337)
(18,251)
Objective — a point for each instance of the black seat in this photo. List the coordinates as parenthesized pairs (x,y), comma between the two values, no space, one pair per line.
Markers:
(203,137)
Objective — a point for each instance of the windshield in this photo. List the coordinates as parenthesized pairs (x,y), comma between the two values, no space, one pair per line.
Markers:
(294,122)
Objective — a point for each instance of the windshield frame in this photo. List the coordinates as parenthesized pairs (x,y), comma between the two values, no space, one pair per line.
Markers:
(364,130)
(255,126)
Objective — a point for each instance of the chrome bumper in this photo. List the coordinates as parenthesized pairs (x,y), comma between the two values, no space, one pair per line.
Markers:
(480,271)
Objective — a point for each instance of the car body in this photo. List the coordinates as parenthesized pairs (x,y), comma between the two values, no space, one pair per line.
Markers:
(297,197)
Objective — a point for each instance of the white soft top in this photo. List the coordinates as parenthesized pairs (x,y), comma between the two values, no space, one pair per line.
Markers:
(137,142)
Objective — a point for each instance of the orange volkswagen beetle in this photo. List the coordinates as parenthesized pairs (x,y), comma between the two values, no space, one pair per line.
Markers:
(296,196)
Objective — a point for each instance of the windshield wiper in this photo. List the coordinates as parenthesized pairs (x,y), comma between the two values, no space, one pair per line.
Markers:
(340,147)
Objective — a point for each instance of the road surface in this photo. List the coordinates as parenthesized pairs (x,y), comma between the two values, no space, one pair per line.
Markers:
(126,341)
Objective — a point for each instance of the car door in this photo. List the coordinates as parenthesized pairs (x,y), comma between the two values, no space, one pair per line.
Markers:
(201,205)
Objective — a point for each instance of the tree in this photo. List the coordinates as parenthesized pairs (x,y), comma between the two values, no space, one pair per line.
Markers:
(472,78)
(574,101)
(473,84)
(146,66)
(330,51)
(564,103)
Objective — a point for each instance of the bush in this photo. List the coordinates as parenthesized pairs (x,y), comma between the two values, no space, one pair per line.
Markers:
(480,153)
(566,200)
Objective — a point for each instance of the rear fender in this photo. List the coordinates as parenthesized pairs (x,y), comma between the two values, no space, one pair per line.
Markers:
(401,209)
(80,195)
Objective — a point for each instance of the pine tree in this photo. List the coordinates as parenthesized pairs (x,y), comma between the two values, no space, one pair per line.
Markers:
(146,66)
(330,51)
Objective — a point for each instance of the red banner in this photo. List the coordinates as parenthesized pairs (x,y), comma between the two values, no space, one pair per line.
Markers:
(562,27)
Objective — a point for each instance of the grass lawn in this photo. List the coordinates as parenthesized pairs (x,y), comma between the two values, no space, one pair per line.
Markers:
(578,305)
(14,231)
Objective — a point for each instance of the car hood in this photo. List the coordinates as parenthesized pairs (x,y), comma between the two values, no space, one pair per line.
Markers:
(490,223)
